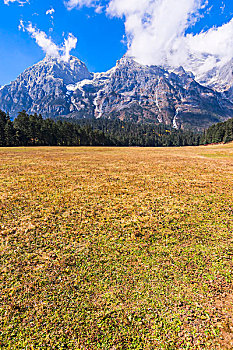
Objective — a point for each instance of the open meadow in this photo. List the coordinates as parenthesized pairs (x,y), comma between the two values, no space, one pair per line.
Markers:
(116,248)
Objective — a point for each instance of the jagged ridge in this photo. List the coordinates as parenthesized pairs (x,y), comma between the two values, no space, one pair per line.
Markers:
(129,91)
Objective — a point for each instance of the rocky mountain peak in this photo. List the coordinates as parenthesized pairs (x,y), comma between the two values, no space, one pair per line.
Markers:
(55,68)
(42,87)
(127,61)
(129,91)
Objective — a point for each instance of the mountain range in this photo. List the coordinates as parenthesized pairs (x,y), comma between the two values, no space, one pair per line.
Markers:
(130,91)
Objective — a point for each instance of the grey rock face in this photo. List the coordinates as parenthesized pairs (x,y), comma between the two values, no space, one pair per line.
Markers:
(129,91)
(42,87)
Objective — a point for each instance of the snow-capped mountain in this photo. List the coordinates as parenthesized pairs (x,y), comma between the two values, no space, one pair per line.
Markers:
(129,91)
(42,87)
(219,78)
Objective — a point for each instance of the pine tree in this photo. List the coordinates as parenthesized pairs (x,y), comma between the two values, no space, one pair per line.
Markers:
(9,133)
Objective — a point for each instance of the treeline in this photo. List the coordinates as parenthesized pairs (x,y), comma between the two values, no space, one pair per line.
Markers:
(218,133)
(33,130)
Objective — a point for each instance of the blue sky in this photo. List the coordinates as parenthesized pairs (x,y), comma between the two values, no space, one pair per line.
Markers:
(100,35)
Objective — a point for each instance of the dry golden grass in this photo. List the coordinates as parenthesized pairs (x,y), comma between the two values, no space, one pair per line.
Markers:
(116,248)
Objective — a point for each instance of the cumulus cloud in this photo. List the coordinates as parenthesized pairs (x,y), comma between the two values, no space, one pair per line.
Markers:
(47,44)
(210,49)
(153,26)
(216,41)
(156,32)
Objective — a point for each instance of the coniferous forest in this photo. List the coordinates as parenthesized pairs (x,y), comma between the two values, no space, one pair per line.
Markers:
(33,130)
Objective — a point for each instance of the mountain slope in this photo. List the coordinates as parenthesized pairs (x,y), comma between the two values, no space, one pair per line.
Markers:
(42,87)
(129,91)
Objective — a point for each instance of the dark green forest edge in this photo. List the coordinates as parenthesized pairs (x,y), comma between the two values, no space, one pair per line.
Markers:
(33,130)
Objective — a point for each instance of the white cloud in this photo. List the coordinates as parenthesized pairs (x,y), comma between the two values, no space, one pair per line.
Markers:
(215,41)
(222,7)
(212,48)
(69,44)
(21,2)
(50,12)
(99,9)
(47,45)
(21,25)
(152,26)
(156,32)
(71,4)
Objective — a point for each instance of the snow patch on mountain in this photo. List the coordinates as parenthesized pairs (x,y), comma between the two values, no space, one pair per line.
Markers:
(174,122)
(129,91)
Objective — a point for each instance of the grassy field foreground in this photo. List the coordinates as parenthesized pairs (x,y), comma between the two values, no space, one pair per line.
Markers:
(109,248)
